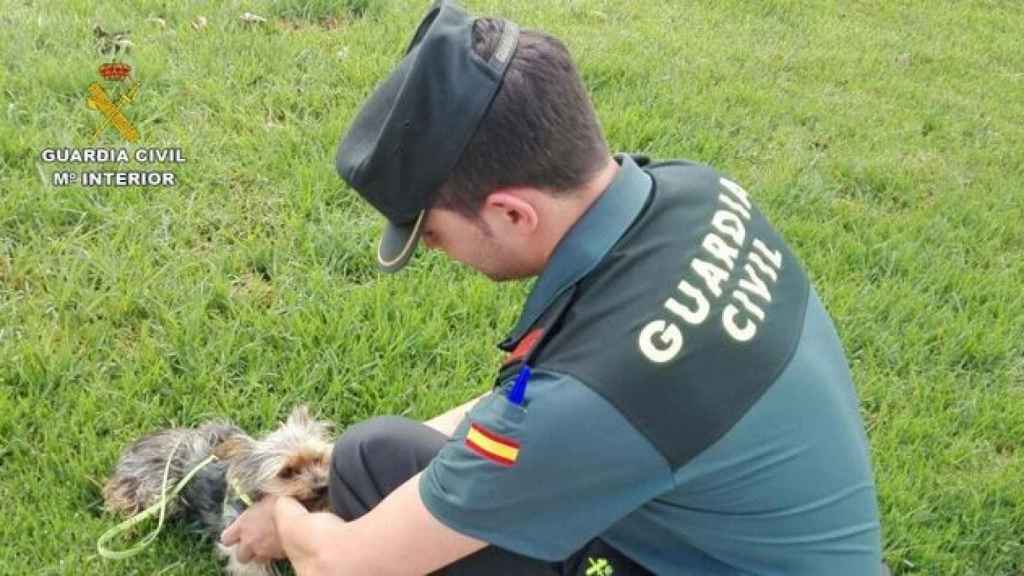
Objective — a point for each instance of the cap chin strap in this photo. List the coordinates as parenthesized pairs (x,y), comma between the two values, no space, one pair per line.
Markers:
(410,244)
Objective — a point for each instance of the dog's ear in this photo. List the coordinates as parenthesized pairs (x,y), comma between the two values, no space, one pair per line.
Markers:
(299,416)
(234,447)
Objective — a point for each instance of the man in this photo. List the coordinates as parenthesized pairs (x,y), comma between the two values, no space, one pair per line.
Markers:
(674,400)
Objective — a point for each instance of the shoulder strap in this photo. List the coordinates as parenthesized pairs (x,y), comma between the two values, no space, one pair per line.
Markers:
(530,345)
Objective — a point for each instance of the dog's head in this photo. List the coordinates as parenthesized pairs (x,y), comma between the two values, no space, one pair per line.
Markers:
(293,460)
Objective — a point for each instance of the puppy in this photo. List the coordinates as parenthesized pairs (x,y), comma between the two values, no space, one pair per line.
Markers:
(293,460)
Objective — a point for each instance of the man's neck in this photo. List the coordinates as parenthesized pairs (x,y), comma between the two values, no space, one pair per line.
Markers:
(574,204)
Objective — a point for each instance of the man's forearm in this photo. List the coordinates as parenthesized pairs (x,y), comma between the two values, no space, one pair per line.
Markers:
(399,537)
(447,423)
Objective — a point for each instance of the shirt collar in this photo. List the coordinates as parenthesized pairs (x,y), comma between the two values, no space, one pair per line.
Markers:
(587,242)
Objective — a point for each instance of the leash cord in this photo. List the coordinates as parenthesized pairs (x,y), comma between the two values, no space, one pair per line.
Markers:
(160,506)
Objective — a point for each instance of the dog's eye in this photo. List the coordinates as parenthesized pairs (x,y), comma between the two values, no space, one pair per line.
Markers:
(287,473)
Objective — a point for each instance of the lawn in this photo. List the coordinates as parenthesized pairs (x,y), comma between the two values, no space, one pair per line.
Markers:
(883,139)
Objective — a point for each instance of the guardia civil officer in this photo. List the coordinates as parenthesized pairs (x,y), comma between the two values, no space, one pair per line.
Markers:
(674,399)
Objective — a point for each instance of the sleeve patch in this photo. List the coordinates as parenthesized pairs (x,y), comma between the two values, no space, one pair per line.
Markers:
(496,448)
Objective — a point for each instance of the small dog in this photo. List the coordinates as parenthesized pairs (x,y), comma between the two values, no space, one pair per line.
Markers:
(294,460)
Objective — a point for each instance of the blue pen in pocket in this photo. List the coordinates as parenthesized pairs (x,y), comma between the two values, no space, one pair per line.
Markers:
(518,391)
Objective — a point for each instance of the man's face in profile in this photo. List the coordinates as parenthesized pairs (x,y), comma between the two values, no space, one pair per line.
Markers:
(475,243)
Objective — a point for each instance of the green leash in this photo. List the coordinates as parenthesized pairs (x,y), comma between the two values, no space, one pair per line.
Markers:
(159,507)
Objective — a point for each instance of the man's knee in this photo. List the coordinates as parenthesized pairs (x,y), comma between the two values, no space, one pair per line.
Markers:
(379,438)
(373,457)
(355,441)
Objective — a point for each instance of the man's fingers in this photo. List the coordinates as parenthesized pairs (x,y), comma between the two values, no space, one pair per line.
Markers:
(288,514)
(230,535)
(243,554)
(289,507)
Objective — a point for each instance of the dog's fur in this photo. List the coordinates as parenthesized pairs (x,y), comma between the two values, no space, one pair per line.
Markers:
(294,460)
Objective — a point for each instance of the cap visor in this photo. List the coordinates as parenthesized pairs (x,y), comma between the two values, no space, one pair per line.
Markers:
(398,244)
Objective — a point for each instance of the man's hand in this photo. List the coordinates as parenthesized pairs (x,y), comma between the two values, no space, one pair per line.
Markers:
(399,537)
(255,533)
(307,538)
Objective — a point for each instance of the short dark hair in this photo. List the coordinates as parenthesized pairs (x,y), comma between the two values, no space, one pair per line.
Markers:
(540,131)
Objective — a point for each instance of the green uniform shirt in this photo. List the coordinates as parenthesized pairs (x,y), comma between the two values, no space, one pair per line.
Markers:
(689,401)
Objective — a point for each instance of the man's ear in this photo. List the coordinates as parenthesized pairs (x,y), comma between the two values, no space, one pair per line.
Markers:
(512,208)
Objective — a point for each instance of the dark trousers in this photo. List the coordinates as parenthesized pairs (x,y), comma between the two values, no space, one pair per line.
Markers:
(374,457)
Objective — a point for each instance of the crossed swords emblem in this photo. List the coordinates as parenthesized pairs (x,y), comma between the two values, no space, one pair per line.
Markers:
(98,100)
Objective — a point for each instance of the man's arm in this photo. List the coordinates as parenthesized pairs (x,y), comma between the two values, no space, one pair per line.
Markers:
(257,536)
(447,422)
(398,537)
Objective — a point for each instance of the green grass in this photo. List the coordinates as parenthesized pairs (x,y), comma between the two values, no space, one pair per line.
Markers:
(882,138)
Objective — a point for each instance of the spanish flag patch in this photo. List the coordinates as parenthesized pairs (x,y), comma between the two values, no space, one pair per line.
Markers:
(496,448)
